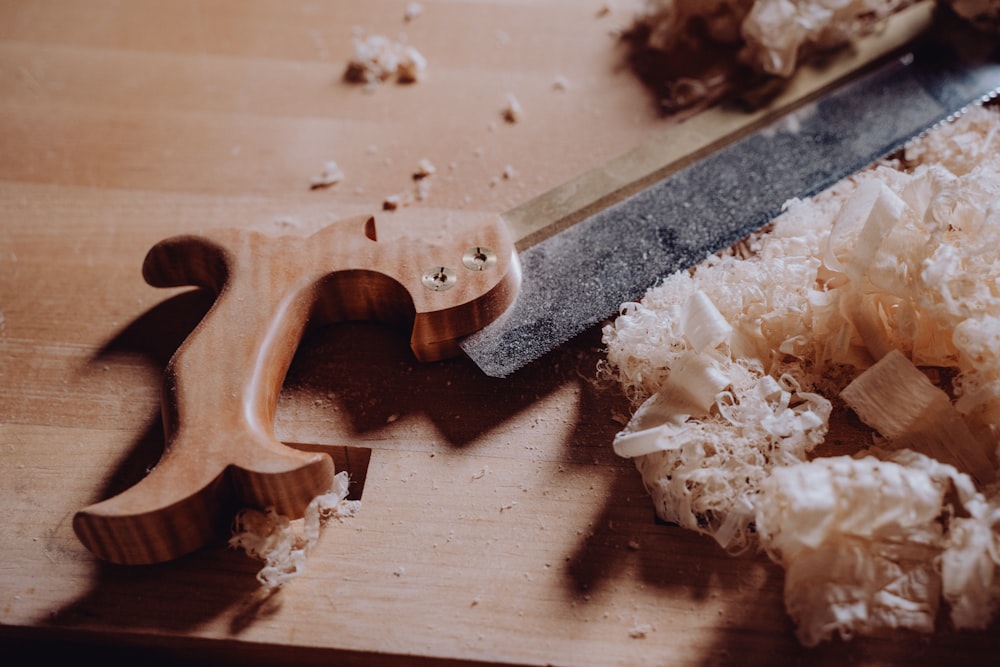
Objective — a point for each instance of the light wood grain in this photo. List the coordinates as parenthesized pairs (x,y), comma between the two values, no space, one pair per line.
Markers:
(496,524)
(221,387)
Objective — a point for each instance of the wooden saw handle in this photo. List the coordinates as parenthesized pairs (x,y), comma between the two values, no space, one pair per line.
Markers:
(221,387)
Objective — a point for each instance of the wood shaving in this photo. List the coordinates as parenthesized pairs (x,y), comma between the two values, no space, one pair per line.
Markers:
(378,59)
(284,544)
(512,113)
(874,543)
(899,401)
(421,187)
(413,10)
(331,175)
(640,631)
(879,294)
(740,41)
(393,202)
(424,169)
(771,34)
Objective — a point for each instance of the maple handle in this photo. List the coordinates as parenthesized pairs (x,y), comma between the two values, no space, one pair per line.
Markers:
(221,387)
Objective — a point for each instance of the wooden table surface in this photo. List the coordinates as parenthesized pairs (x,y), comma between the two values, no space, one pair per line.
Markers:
(496,524)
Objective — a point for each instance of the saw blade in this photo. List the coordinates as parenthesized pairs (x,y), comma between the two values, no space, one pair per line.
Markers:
(581,275)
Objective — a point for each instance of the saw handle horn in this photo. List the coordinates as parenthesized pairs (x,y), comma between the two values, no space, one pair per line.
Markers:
(222,385)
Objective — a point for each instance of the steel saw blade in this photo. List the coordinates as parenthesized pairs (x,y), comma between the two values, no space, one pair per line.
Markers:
(599,250)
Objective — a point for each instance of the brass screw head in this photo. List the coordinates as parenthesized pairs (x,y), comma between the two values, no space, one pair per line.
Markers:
(439,278)
(479,259)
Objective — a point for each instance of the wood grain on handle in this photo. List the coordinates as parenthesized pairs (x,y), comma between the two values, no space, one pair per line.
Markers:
(221,387)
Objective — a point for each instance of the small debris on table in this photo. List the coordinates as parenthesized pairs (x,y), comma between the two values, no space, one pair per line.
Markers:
(331,175)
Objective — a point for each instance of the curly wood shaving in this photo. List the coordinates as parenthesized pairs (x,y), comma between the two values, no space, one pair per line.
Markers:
(860,539)
(284,544)
(882,293)
(896,399)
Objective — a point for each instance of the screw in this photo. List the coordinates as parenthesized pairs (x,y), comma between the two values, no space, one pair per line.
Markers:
(479,259)
(439,278)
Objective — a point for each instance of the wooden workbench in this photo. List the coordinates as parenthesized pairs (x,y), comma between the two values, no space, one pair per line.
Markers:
(496,525)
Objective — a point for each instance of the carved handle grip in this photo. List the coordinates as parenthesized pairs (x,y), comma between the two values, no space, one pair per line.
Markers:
(221,387)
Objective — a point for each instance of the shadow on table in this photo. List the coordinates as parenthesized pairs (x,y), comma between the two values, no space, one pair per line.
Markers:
(740,596)
(373,374)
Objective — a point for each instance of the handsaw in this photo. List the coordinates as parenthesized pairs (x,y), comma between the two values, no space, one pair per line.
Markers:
(510,290)
(604,238)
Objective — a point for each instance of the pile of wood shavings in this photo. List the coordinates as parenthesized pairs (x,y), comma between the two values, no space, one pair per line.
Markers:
(284,544)
(881,295)
(770,33)
(693,51)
